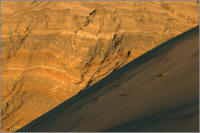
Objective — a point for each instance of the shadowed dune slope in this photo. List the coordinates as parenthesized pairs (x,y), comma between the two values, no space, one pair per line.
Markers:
(157,91)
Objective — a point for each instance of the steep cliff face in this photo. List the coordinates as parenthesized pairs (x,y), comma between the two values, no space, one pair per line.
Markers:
(52,50)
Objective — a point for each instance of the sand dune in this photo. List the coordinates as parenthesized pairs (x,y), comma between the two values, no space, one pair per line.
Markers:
(158,91)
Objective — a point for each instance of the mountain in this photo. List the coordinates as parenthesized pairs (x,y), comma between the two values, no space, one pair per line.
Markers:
(51,50)
(158,91)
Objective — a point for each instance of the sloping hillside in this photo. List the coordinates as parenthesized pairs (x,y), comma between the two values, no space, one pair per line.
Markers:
(50,50)
(156,92)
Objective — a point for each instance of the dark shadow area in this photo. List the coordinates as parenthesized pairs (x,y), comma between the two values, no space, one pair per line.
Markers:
(160,119)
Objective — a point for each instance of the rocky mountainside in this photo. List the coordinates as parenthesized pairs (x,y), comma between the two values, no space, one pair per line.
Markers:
(52,50)
(156,92)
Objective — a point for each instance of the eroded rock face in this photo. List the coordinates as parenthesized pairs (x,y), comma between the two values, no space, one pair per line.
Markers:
(52,50)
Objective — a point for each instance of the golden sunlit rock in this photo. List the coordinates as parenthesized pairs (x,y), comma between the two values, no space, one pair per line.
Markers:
(50,50)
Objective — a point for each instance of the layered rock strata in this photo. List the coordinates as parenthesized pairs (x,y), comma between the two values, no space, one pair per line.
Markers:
(52,50)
